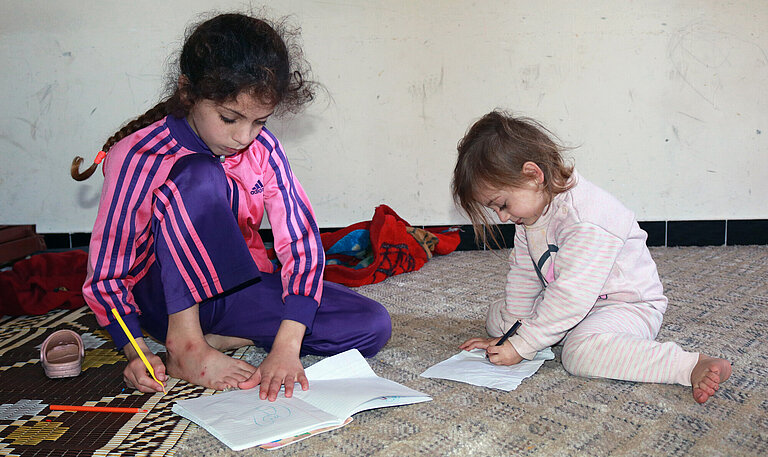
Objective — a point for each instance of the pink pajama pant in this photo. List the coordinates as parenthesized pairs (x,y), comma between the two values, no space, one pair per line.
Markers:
(616,341)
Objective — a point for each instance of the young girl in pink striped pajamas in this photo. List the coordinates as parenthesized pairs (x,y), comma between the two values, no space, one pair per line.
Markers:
(176,249)
(580,272)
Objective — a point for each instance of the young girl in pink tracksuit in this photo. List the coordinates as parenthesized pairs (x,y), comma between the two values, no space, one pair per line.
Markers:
(176,248)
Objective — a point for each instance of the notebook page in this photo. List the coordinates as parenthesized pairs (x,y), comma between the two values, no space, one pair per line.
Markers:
(395,400)
(240,419)
(343,397)
(348,364)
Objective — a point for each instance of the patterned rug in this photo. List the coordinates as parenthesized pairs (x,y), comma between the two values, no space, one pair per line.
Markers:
(29,428)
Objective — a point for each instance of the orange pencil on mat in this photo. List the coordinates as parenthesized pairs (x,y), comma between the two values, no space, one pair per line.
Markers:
(98,409)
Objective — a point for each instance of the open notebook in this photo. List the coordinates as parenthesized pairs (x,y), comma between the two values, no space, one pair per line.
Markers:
(339,387)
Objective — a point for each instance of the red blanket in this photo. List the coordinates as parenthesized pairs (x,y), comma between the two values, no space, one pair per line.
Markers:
(43,282)
(395,247)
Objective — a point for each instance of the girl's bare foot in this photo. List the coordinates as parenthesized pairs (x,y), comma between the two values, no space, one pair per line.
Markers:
(199,363)
(707,375)
(192,358)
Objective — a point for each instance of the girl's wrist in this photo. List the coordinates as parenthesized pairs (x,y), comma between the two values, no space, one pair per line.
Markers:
(289,337)
(130,351)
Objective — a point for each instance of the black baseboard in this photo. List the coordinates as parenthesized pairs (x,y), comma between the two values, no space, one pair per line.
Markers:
(747,232)
(665,233)
(660,233)
(657,232)
(66,240)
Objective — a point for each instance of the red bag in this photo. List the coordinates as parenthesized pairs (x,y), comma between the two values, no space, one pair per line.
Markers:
(396,248)
(44,282)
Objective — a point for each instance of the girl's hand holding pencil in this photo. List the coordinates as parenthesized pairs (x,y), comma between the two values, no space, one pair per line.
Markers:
(136,374)
(497,355)
(506,354)
(498,351)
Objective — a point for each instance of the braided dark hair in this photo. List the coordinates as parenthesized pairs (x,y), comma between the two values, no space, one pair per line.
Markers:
(221,58)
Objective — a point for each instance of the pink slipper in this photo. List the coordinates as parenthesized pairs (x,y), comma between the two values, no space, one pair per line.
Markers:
(62,354)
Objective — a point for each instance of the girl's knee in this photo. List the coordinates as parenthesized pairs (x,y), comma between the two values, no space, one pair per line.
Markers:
(577,350)
(379,331)
(349,320)
(494,321)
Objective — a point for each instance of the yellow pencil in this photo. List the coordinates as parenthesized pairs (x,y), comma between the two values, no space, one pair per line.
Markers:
(136,346)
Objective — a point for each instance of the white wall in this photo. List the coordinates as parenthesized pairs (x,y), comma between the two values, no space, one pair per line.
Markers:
(667,99)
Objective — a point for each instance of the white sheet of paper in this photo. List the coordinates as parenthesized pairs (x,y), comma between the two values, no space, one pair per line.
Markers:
(473,368)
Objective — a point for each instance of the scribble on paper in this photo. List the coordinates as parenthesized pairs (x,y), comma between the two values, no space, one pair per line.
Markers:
(269,414)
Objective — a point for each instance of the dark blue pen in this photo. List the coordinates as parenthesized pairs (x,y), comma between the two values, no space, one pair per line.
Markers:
(506,336)
(509,333)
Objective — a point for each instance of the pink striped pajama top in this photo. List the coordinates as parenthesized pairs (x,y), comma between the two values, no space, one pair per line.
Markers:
(585,251)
